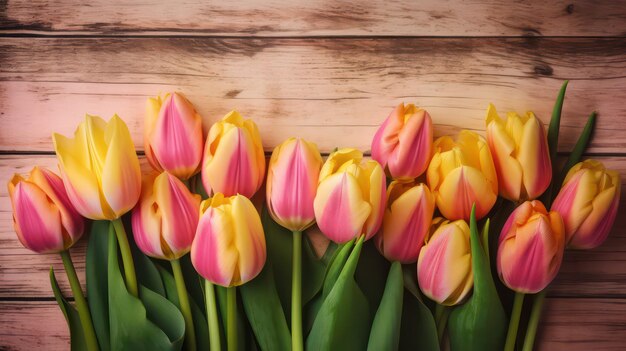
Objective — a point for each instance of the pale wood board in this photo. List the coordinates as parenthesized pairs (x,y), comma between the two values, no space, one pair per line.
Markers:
(316,18)
(332,91)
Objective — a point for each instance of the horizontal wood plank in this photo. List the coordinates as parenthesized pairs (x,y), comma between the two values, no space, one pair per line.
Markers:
(334,92)
(592,273)
(34,325)
(316,18)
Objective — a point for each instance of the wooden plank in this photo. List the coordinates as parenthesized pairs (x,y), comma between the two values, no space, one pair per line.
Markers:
(331,91)
(594,273)
(317,18)
(562,328)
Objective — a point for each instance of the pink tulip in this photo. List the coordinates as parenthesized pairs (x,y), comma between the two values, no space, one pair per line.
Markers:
(350,199)
(292,183)
(403,143)
(531,248)
(165,219)
(234,160)
(444,267)
(588,203)
(229,248)
(408,214)
(173,135)
(43,216)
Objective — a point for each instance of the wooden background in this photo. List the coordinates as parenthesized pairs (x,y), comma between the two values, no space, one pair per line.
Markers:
(329,71)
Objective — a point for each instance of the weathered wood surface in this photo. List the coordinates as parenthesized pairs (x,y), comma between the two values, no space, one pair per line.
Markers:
(321,89)
(562,327)
(593,273)
(316,18)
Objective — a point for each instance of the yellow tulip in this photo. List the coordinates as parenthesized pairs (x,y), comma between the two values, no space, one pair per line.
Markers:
(462,173)
(99,167)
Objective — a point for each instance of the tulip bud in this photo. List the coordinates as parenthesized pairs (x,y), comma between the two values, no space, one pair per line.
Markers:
(520,151)
(229,248)
(350,198)
(408,214)
(460,174)
(444,266)
(588,203)
(292,178)
(530,248)
(234,161)
(173,138)
(403,143)
(43,216)
(166,217)
(100,168)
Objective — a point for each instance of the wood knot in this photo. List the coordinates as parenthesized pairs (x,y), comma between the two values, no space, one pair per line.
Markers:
(569,9)
(543,69)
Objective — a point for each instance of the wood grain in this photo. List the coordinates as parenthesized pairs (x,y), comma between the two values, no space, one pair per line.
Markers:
(592,273)
(602,328)
(316,18)
(330,91)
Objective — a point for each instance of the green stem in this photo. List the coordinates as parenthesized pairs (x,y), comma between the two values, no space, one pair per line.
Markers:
(443,321)
(511,336)
(211,311)
(185,308)
(127,257)
(296,294)
(231,318)
(533,322)
(81,303)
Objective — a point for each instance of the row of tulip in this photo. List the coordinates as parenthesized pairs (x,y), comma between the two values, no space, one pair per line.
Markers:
(418,198)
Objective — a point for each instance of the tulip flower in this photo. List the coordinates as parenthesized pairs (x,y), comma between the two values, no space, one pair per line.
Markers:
(43,216)
(292,178)
(403,143)
(350,199)
(100,168)
(520,151)
(164,225)
(46,222)
(588,203)
(407,219)
(530,252)
(166,217)
(462,173)
(530,247)
(444,266)
(102,178)
(173,138)
(234,160)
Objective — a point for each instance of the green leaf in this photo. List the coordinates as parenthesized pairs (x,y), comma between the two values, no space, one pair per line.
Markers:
(371,274)
(480,323)
(72,317)
(264,311)
(385,333)
(335,266)
(147,272)
(155,324)
(199,320)
(418,330)
(97,280)
(579,149)
(343,321)
(555,123)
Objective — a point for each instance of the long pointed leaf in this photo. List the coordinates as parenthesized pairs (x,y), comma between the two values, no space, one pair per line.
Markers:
(72,317)
(385,333)
(97,281)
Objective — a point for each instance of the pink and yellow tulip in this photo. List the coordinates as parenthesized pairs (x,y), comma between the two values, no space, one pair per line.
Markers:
(234,160)
(530,248)
(407,219)
(462,173)
(292,178)
(520,151)
(166,217)
(99,167)
(444,266)
(588,203)
(173,138)
(43,216)
(229,247)
(350,199)
(403,143)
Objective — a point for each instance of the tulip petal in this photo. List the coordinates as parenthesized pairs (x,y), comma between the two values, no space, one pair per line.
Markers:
(461,189)
(249,240)
(410,158)
(534,157)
